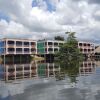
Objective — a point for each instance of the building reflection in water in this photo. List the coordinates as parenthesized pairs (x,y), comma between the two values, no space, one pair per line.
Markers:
(30,70)
(11,72)
(87,67)
(33,76)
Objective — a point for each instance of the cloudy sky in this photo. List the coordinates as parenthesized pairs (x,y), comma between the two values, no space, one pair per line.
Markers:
(39,19)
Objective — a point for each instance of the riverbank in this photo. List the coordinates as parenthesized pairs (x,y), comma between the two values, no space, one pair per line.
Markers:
(1,60)
(38,58)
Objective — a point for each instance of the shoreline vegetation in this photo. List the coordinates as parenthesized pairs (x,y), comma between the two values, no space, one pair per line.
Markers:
(69,56)
(69,51)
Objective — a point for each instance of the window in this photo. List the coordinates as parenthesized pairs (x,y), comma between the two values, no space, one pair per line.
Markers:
(81,50)
(88,44)
(88,49)
(26,43)
(55,44)
(55,49)
(60,43)
(26,49)
(50,49)
(11,49)
(18,43)
(11,42)
(2,43)
(18,49)
(45,49)
(32,50)
(45,43)
(50,43)
(32,43)
(84,44)
(80,44)
(85,50)
(92,49)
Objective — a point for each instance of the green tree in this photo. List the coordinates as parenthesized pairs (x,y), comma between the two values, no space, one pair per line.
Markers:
(69,56)
(69,51)
(59,38)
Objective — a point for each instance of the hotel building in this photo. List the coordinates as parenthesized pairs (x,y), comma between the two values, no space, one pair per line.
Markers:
(44,48)
(52,46)
(86,48)
(48,46)
(17,46)
(17,49)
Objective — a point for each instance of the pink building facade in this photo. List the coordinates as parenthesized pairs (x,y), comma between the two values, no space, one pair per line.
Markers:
(87,49)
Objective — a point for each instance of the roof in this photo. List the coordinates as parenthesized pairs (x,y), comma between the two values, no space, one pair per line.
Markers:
(17,39)
(51,41)
(97,50)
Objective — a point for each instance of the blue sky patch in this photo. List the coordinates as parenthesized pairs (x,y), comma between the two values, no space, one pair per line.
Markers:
(4,16)
(50,7)
(34,3)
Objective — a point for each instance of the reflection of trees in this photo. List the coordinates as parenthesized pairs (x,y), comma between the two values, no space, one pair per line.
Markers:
(71,69)
(60,76)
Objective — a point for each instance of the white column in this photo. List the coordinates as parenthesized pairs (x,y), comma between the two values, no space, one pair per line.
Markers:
(53,46)
(6,72)
(53,69)
(22,47)
(36,69)
(48,68)
(30,48)
(47,47)
(6,46)
(15,47)
(15,71)
(30,71)
(23,70)
(36,47)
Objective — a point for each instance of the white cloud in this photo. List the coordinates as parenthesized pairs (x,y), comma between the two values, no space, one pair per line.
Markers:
(12,29)
(32,22)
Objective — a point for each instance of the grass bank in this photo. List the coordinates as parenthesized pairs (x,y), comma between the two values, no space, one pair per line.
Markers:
(1,60)
(38,58)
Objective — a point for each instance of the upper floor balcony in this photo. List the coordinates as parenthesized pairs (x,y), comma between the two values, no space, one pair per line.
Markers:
(12,43)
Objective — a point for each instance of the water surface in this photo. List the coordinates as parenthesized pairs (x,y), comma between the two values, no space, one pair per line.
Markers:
(47,81)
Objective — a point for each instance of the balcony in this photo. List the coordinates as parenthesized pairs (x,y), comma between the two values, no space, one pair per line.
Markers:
(26,52)
(10,43)
(56,50)
(50,52)
(50,44)
(26,44)
(60,44)
(56,44)
(33,44)
(33,50)
(19,43)
(11,50)
(19,51)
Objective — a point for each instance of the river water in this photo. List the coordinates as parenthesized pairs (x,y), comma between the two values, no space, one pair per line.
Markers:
(47,81)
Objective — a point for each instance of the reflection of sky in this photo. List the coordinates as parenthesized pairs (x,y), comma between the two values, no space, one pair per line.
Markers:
(18,87)
(86,88)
